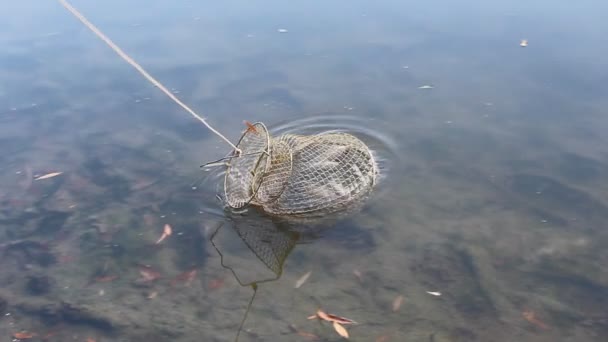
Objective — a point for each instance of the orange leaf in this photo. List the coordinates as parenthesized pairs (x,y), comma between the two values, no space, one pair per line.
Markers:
(250,127)
(24,335)
(90,339)
(340,330)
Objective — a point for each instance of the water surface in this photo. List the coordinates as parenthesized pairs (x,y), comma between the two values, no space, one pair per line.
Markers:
(492,189)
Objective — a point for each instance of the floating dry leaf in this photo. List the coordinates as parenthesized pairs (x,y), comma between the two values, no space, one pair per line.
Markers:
(167,231)
(322,315)
(433,293)
(302,279)
(340,319)
(523,43)
(397,303)
(332,318)
(152,295)
(340,330)
(48,175)
(358,274)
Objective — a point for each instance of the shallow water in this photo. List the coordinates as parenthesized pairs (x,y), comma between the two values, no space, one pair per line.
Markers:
(492,189)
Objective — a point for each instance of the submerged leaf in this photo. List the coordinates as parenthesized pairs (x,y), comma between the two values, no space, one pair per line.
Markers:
(358,274)
(216,284)
(530,316)
(302,279)
(24,335)
(397,303)
(148,274)
(383,338)
(48,175)
(167,231)
(185,277)
(106,278)
(307,335)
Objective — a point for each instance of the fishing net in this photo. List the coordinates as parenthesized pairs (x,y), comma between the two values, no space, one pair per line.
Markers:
(264,243)
(299,174)
(267,243)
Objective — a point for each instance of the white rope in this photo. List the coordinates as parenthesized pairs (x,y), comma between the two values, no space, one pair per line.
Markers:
(141,70)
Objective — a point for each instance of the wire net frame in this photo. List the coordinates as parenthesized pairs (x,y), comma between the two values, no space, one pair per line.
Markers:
(244,173)
(299,175)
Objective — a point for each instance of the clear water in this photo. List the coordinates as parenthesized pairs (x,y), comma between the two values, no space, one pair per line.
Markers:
(493,189)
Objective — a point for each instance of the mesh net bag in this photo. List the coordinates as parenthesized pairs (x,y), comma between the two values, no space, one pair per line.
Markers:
(299,175)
